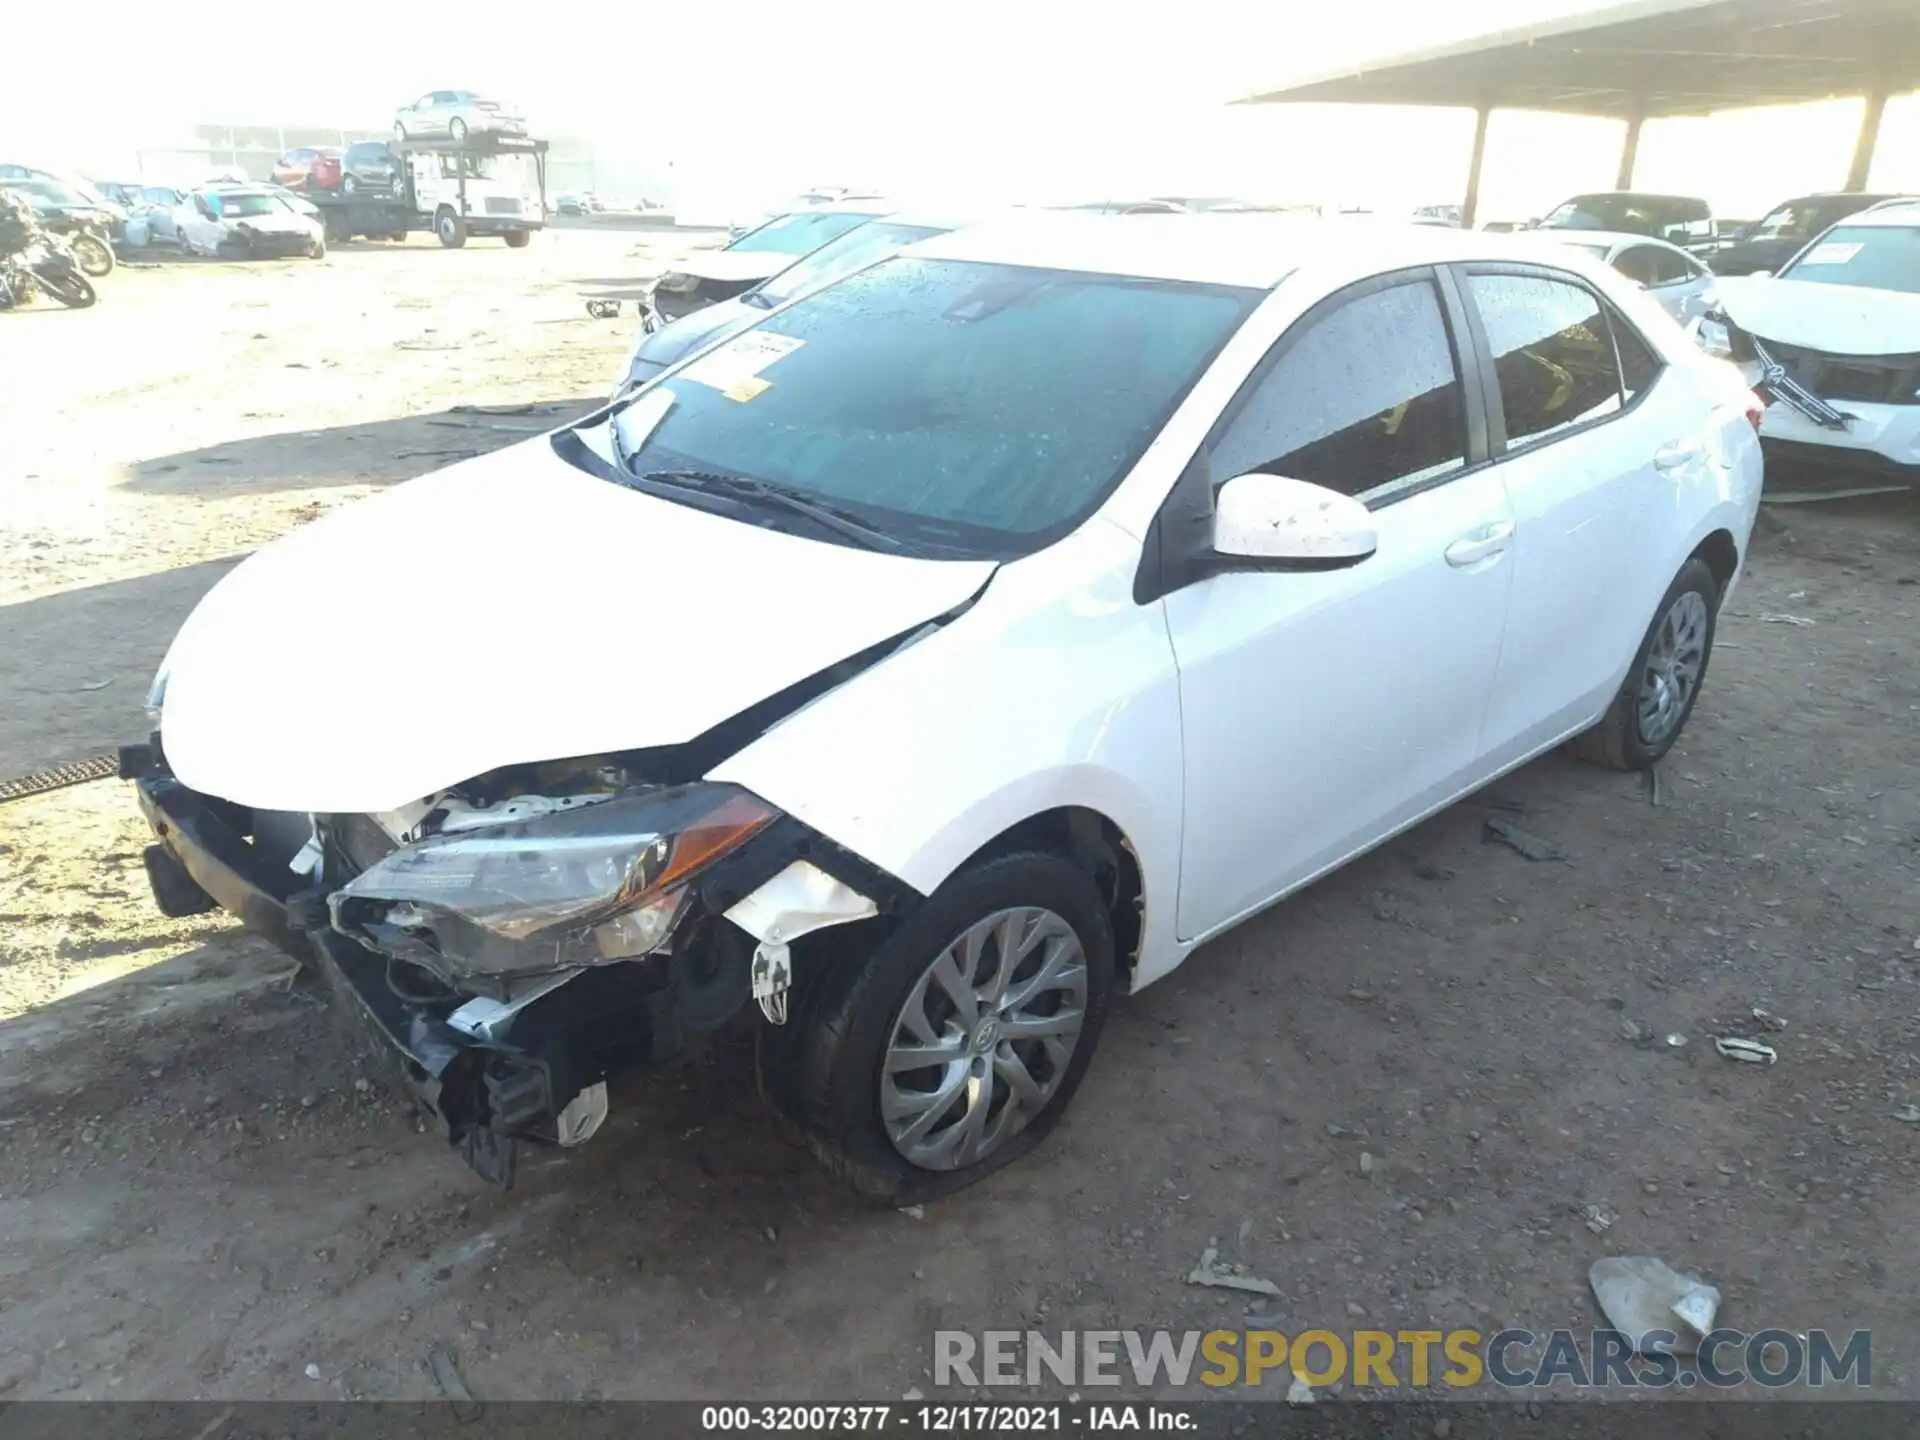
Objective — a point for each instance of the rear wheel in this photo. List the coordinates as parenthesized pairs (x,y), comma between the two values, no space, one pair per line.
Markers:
(953,1046)
(519,239)
(457,129)
(1657,698)
(71,290)
(451,229)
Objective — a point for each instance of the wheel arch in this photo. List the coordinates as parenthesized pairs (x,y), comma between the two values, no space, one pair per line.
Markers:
(1098,846)
(1721,554)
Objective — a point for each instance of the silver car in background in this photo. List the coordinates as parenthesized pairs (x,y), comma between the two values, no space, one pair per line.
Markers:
(456,114)
(1681,284)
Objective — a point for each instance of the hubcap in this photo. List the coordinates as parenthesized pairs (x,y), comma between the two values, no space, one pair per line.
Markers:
(1672,672)
(984,1039)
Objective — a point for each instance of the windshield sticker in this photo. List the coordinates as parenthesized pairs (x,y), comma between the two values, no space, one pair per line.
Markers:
(742,358)
(1832,253)
(746,389)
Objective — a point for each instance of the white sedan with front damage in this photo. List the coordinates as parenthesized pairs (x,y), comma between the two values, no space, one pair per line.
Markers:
(1833,344)
(966,643)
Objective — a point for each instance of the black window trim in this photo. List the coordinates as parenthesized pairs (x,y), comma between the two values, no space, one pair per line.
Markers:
(1177,550)
(1496,412)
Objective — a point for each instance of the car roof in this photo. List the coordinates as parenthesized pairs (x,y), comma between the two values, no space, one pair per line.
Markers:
(1898,212)
(1253,251)
(1608,238)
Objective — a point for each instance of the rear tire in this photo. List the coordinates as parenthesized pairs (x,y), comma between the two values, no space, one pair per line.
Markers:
(824,1068)
(457,130)
(72,291)
(451,229)
(519,239)
(1658,695)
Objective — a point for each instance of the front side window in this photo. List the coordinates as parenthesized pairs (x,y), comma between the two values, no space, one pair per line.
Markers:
(963,407)
(1367,399)
(1876,257)
(1552,353)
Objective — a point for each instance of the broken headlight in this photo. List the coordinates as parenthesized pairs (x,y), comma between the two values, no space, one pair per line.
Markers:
(573,888)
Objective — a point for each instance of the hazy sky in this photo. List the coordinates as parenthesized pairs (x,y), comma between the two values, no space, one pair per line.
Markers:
(999,98)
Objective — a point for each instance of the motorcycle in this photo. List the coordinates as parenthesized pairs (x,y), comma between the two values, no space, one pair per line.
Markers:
(47,265)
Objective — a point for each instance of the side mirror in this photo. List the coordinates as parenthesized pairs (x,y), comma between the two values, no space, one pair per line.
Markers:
(1292,523)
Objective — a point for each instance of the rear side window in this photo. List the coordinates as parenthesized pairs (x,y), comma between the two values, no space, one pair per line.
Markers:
(1552,353)
(1640,364)
(1367,399)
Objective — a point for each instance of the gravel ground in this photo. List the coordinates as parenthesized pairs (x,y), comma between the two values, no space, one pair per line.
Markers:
(1401,1096)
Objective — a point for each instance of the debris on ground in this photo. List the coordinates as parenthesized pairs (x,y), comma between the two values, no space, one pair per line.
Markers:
(446,1374)
(1299,1392)
(1768,1019)
(1675,1041)
(1640,1295)
(1908,1114)
(1206,1271)
(312,1371)
(914,1212)
(1751,1052)
(1777,619)
(1651,784)
(1598,1219)
(1366,1163)
(1522,841)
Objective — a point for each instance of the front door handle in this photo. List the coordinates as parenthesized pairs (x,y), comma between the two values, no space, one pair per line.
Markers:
(1678,455)
(1487,540)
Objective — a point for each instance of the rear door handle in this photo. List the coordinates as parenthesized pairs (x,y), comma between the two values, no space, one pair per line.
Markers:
(1487,540)
(1678,455)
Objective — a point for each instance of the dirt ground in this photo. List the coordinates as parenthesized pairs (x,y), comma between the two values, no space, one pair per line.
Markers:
(204,1194)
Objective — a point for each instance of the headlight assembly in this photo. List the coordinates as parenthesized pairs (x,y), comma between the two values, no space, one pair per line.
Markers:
(581,887)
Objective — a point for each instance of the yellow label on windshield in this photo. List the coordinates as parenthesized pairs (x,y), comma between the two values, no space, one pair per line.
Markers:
(745,390)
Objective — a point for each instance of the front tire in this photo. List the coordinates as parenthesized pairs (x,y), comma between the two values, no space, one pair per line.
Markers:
(952,1047)
(457,130)
(1657,698)
(72,291)
(451,229)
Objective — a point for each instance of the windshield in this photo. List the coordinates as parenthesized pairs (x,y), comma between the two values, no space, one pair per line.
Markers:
(799,234)
(960,407)
(1638,214)
(1875,257)
(248,203)
(842,257)
(1796,220)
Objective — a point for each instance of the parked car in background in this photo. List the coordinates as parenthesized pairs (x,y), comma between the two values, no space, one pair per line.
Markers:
(569,205)
(88,192)
(1832,339)
(708,276)
(160,204)
(821,197)
(1684,220)
(1681,284)
(315,166)
(245,222)
(456,114)
(1437,215)
(1771,241)
(656,347)
(1138,484)
(369,170)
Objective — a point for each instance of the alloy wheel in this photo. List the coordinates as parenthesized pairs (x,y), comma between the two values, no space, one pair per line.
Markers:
(1673,667)
(984,1039)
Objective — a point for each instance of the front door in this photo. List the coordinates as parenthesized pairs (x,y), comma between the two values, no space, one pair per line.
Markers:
(1322,711)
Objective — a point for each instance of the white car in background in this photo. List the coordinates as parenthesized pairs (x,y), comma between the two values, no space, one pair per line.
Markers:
(1833,342)
(1681,285)
(1033,605)
(248,222)
(455,114)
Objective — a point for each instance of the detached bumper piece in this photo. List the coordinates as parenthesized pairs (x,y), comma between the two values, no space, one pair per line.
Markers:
(492,1075)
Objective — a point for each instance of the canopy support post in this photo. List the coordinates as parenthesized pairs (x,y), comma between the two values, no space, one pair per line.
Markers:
(1469,211)
(1869,138)
(1629,152)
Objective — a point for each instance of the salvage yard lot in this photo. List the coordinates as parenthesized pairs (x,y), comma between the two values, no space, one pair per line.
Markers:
(207,1194)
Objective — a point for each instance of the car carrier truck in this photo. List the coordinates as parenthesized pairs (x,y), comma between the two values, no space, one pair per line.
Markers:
(484,184)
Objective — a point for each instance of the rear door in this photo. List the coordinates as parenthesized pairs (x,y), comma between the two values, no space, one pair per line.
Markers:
(1593,434)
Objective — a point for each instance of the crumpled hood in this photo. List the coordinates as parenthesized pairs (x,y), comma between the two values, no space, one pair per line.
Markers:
(506,610)
(732,265)
(1839,319)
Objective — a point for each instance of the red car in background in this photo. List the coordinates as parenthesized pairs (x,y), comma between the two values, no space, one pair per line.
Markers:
(314,167)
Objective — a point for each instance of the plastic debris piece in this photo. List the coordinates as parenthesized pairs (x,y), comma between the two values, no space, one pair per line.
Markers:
(1207,1272)
(1641,1296)
(1523,842)
(1751,1052)
(446,1374)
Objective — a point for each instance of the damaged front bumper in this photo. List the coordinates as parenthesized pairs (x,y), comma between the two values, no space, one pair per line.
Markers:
(529,1065)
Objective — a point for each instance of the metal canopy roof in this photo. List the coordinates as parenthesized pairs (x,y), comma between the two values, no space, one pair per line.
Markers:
(1653,58)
